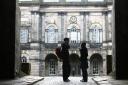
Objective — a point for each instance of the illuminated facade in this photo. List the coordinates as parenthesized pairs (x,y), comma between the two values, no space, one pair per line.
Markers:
(44,25)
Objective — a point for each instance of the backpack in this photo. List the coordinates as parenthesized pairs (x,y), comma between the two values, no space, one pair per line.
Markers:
(58,52)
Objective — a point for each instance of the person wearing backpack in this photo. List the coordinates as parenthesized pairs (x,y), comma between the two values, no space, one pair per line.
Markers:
(65,59)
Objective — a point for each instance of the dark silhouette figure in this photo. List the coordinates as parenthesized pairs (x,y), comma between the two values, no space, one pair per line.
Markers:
(65,55)
(84,61)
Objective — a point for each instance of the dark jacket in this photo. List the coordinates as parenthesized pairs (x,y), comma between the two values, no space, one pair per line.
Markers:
(65,51)
(83,57)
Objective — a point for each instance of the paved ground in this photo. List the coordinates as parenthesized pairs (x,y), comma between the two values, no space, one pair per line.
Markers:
(108,80)
(26,80)
(57,80)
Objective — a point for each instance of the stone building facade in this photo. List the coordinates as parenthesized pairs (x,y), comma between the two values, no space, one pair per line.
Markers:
(44,25)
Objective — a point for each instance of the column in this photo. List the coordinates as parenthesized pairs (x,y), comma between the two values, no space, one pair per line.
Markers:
(35,26)
(59,68)
(86,26)
(40,42)
(104,63)
(62,30)
(41,45)
(106,25)
(83,29)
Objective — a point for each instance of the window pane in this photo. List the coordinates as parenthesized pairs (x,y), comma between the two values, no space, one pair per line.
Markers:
(23,36)
(73,0)
(51,0)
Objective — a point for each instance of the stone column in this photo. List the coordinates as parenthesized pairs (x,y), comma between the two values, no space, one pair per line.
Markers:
(59,68)
(106,25)
(86,26)
(35,26)
(17,41)
(41,45)
(104,63)
(40,40)
(83,29)
(62,30)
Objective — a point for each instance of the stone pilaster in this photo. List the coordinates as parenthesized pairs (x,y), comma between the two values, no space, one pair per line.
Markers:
(62,30)
(35,26)
(59,68)
(86,26)
(41,43)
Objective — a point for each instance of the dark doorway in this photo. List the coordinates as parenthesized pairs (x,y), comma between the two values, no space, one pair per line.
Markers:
(109,64)
(75,64)
(96,64)
(51,65)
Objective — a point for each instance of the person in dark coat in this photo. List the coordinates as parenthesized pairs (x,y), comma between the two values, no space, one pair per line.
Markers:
(65,55)
(84,61)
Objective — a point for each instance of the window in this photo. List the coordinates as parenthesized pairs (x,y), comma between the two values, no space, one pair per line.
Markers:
(74,33)
(50,0)
(73,0)
(51,34)
(52,67)
(95,33)
(24,36)
(95,66)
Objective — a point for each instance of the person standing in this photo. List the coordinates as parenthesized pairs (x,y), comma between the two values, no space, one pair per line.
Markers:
(65,55)
(84,61)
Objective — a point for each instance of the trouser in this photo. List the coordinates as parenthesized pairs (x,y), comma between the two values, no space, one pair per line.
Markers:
(84,74)
(66,71)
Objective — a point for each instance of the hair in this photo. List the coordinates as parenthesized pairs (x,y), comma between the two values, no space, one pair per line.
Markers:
(83,44)
(66,39)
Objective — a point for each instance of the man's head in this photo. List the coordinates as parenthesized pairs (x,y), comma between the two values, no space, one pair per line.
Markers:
(83,44)
(66,40)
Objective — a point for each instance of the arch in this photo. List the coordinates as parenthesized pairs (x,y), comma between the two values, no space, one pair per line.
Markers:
(51,65)
(73,25)
(96,64)
(75,64)
(96,55)
(51,56)
(95,25)
(53,25)
(24,59)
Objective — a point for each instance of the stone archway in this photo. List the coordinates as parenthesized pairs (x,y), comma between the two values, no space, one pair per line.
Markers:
(51,65)
(75,65)
(96,64)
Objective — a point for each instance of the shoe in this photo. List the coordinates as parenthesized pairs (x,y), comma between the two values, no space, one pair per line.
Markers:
(83,80)
(67,80)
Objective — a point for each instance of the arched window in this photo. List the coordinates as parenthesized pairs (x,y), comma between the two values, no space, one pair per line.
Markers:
(51,34)
(51,64)
(74,33)
(95,35)
(96,64)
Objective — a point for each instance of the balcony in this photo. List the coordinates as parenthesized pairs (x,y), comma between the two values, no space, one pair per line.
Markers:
(74,45)
(25,46)
(54,45)
(50,45)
